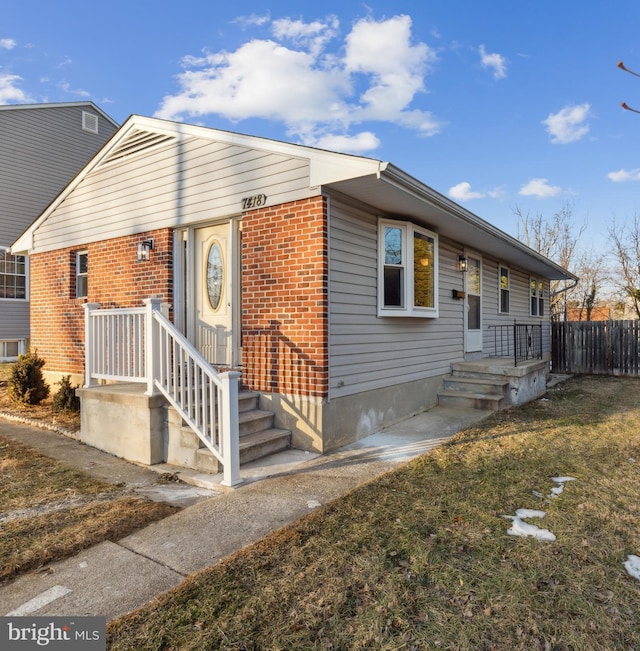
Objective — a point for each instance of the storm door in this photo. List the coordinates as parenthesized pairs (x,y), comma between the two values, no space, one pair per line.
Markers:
(473,320)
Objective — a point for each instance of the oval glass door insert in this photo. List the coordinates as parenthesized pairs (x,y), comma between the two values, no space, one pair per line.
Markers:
(215,275)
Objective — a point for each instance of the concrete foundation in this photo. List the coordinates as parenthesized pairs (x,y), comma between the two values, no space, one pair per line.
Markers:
(122,420)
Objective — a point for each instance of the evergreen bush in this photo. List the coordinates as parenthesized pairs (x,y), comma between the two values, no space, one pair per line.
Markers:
(26,383)
(65,398)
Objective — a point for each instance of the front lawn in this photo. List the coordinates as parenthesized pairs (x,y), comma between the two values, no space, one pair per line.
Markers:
(421,558)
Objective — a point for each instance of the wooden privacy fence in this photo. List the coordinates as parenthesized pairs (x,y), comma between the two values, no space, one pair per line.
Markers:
(607,347)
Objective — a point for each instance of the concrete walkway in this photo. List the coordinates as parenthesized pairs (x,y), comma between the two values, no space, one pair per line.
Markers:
(111,579)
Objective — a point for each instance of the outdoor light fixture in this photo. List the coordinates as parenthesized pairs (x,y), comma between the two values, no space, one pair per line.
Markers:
(462,263)
(144,250)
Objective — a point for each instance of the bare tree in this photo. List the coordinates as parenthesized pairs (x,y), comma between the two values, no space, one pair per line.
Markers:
(626,251)
(556,239)
(590,268)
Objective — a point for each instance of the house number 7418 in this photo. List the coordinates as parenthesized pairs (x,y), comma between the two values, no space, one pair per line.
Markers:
(255,201)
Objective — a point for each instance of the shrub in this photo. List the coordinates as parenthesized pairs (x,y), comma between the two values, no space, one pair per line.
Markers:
(26,384)
(65,398)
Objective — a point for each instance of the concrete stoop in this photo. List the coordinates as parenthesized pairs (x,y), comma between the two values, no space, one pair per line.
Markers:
(493,384)
(258,438)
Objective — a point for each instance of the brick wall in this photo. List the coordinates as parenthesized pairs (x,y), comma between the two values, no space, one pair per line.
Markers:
(285,299)
(115,279)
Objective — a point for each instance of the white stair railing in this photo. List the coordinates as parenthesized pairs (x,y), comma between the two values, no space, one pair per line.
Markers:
(142,345)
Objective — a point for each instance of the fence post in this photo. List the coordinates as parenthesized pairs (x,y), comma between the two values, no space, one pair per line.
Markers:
(88,344)
(151,354)
(230,436)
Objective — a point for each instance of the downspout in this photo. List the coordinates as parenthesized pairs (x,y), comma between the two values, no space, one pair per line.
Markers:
(562,291)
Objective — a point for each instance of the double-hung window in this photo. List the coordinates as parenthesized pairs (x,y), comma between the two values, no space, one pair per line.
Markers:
(536,292)
(13,275)
(82,274)
(504,290)
(407,270)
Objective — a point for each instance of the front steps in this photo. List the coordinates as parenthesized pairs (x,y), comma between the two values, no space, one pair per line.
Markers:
(494,383)
(258,438)
(474,390)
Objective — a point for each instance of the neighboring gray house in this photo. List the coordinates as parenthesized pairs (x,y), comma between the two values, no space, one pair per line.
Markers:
(42,147)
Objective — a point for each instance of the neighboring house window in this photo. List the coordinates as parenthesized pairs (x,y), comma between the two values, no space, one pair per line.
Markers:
(13,275)
(504,290)
(536,291)
(82,274)
(407,270)
(90,122)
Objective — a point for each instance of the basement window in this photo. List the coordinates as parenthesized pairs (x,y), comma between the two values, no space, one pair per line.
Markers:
(407,270)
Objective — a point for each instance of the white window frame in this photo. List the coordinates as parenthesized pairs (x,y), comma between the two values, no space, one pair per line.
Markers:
(80,274)
(507,290)
(14,260)
(536,297)
(406,265)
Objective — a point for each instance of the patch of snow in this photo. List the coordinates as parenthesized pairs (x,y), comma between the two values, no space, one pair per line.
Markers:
(313,504)
(563,480)
(529,513)
(526,530)
(632,565)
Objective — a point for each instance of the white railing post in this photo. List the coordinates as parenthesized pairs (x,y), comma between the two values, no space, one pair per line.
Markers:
(89,344)
(151,343)
(230,432)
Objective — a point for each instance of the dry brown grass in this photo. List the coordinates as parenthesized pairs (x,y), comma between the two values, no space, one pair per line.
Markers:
(49,511)
(420,559)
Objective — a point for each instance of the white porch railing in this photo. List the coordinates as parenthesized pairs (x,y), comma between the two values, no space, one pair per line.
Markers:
(142,345)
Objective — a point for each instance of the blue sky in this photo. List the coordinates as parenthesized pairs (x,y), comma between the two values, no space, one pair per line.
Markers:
(499,104)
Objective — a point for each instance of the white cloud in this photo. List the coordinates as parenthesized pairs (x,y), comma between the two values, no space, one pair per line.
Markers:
(317,93)
(7,43)
(9,91)
(539,188)
(66,87)
(360,143)
(252,20)
(624,175)
(463,192)
(495,61)
(569,124)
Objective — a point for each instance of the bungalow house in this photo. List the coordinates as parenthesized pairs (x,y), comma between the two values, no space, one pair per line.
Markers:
(340,292)
(42,147)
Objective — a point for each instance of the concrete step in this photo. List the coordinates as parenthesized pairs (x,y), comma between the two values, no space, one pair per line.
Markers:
(255,420)
(476,385)
(247,400)
(252,446)
(473,400)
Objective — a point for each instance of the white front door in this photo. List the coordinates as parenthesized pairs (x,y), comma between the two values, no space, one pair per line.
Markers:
(213,290)
(473,320)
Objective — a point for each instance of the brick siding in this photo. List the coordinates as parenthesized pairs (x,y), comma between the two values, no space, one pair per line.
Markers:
(115,279)
(285,298)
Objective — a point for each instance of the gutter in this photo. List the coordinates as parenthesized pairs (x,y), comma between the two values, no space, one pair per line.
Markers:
(395,176)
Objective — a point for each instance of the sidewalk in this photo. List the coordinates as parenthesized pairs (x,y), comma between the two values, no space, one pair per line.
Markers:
(111,579)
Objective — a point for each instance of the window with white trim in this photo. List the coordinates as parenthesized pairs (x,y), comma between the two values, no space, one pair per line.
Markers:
(504,290)
(407,270)
(82,274)
(536,293)
(13,275)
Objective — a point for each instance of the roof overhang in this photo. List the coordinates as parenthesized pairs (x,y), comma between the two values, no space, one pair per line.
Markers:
(392,192)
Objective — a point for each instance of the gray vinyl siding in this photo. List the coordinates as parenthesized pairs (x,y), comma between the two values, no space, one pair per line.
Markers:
(366,351)
(519,304)
(170,184)
(41,150)
(14,320)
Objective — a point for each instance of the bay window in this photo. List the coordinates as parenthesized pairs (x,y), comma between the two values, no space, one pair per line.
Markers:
(408,270)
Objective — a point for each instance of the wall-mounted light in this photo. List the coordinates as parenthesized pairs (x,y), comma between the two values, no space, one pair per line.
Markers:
(144,250)
(462,263)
